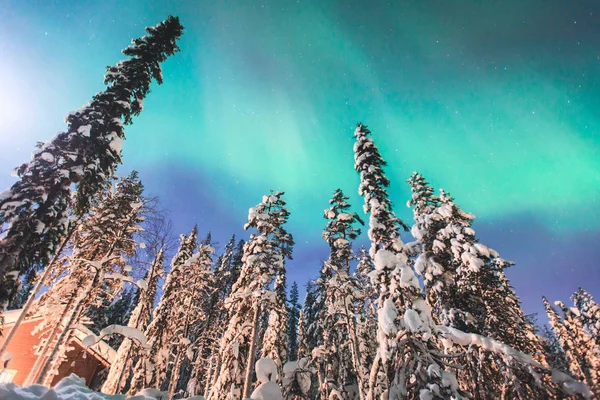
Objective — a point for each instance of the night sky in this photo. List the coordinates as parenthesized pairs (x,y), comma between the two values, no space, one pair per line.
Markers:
(495,101)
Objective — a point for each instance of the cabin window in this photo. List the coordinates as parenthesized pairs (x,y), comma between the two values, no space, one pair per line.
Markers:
(7,375)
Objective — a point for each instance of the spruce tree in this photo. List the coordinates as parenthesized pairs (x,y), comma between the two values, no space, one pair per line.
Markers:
(192,311)
(303,350)
(86,155)
(292,326)
(205,366)
(309,311)
(366,318)
(103,242)
(467,289)
(589,314)
(24,289)
(275,341)
(264,257)
(120,369)
(579,348)
(402,312)
(339,352)
(555,355)
(153,369)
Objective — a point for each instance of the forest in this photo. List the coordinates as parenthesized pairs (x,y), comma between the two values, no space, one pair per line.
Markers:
(433,318)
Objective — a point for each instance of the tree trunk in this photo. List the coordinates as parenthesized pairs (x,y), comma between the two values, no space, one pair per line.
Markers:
(63,335)
(32,377)
(354,348)
(115,374)
(373,376)
(251,354)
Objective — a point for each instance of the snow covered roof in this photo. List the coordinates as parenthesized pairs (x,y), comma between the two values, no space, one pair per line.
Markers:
(101,349)
(10,317)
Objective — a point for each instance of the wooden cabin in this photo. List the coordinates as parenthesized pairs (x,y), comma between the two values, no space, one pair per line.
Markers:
(87,363)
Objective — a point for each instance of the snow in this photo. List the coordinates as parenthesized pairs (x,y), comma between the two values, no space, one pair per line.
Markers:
(472,339)
(345,217)
(47,157)
(127,331)
(85,130)
(384,259)
(142,284)
(150,394)
(482,249)
(412,320)
(116,143)
(267,391)
(69,388)
(387,317)
(421,264)
(297,371)
(425,394)
(569,385)
(266,370)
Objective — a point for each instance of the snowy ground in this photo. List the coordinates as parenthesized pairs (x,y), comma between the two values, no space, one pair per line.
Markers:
(71,388)
(74,388)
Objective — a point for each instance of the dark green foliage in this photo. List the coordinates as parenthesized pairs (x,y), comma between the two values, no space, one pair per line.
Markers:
(293,316)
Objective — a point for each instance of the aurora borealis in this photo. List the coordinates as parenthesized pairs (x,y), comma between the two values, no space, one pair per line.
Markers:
(496,102)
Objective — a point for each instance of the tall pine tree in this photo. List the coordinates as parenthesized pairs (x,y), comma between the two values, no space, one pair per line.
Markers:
(264,257)
(406,352)
(292,325)
(192,310)
(103,242)
(128,352)
(589,314)
(153,369)
(338,355)
(86,154)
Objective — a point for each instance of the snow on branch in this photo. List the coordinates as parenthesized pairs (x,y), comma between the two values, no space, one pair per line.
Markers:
(126,331)
(456,336)
(142,284)
(461,338)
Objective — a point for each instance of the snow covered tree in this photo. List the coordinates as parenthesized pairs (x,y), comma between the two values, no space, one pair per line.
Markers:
(292,325)
(264,257)
(309,311)
(205,366)
(24,289)
(338,355)
(275,340)
(34,209)
(314,303)
(120,368)
(582,354)
(102,243)
(112,306)
(153,369)
(366,317)
(194,306)
(406,353)
(466,288)
(589,314)
(303,350)
(555,356)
